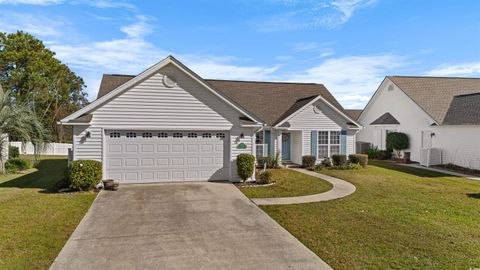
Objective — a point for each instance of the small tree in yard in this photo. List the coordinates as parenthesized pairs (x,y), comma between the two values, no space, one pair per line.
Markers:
(397,141)
(18,119)
(245,166)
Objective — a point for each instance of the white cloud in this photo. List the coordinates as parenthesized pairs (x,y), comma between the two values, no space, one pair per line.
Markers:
(218,68)
(352,79)
(464,69)
(138,29)
(32,2)
(38,25)
(295,14)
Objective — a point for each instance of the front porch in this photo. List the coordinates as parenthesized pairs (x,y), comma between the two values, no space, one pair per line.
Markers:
(288,143)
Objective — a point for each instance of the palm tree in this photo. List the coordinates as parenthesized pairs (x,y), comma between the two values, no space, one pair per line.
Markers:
(20,120)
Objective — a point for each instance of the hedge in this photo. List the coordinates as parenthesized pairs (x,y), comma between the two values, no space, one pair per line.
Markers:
(339,160)
(359,159)
(245,166)
(13,152)
(84,174)
(308,161)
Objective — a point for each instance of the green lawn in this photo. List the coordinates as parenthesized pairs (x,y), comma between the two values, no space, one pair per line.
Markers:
(399,218)
(35,223)
(289,183)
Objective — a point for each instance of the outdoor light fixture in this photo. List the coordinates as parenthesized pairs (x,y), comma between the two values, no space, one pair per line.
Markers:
(88,134)
(242,136)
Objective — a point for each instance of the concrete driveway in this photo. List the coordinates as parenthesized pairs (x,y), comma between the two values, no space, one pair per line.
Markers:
(181,226)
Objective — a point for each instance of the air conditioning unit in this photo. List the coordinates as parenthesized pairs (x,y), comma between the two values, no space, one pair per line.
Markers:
(430,156)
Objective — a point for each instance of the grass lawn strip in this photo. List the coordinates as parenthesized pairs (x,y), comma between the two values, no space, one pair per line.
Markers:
(399,217)
(289,183)
(35,223)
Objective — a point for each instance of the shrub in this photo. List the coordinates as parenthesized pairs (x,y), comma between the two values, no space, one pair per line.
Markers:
(308,161)
(276,162)
(384,154)
(264,178)
(13,152)
(397,141)
(261,161)
(84,174)
(14,165)
(373,152)
(326,163)
(339,160)
(355,166)
(245,165)
(360,159)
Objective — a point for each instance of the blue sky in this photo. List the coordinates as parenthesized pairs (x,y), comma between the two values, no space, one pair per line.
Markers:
(348,45)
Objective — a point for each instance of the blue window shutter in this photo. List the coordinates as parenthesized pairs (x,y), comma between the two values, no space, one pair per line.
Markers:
(268,142)
(343,142)
(314,143)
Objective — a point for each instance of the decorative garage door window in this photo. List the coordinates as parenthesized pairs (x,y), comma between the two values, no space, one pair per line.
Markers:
(131,135)
(147,135)
(192,135)
(221,135)
(177,135)
(207,135)
(163,135)
(114,134)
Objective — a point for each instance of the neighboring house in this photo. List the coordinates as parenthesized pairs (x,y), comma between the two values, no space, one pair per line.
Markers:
(169,124)
(436,113)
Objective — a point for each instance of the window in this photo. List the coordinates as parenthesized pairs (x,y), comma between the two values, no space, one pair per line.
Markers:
(259,137)
(162,135)
(221,135)
(206,135)
(328,143)
(334,142)
(322,144)
(131,135)
(192,135)
(177,135)
(147,135)
(114,134)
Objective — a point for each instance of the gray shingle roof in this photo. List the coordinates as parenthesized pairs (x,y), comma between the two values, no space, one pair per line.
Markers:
(435,94)
(269,101)
(464,110)
(353,113)
(385,119)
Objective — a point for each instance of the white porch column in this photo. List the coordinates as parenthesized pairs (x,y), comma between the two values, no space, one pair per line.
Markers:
(279,143)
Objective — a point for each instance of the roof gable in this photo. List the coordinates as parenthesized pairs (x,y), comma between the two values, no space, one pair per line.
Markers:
(269,101)
(435,94)
(124,84)
(385,119)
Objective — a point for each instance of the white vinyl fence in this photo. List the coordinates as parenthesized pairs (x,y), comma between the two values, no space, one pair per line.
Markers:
(53,149)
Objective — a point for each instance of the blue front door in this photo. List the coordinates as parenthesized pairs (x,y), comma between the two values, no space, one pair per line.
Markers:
(285,146)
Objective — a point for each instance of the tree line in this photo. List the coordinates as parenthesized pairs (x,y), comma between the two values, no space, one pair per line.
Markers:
(30,74)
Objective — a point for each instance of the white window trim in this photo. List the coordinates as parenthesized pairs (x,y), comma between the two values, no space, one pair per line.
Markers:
(329,144)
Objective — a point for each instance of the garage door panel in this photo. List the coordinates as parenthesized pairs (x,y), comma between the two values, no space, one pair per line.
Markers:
(131,162)
(139,159)
(148,148)
(147,162)
(162,161)
(163,148)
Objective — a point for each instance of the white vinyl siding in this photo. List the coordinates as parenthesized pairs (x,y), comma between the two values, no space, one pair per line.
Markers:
(322,118)
(152,104)
(87,148)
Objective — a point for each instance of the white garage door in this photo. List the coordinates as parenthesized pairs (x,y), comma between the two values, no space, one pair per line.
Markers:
(165,156)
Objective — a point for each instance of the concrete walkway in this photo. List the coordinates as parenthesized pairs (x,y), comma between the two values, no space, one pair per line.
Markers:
(340,189)
(181,226)
(471,177)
